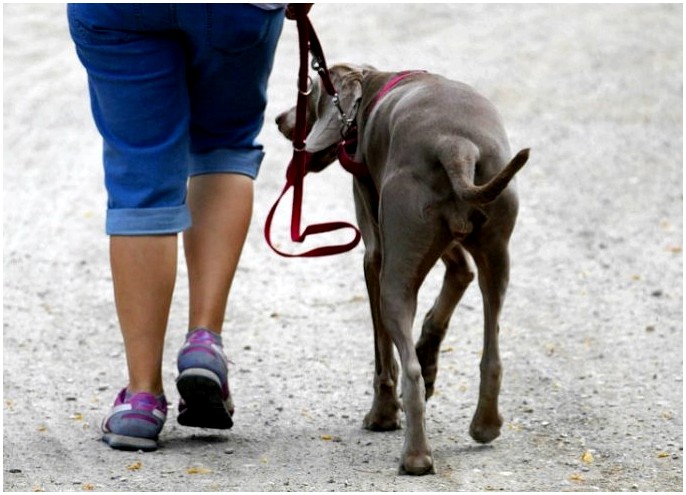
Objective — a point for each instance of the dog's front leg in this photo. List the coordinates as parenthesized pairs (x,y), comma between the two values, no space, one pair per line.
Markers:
(458,276)
(384,413)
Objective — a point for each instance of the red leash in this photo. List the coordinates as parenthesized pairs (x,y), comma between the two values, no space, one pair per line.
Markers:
(297,169)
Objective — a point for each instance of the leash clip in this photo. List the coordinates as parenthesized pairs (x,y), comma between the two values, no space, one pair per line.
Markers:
(347,122)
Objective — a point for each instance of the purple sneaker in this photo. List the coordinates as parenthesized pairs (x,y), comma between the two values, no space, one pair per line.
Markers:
(203,382)
(135,421)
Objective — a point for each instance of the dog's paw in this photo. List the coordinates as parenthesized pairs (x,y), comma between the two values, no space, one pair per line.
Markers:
(485,431)
(374,421)
(417,465)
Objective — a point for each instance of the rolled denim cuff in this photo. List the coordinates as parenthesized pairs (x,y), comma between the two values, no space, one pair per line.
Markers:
(148,221)
(245,162)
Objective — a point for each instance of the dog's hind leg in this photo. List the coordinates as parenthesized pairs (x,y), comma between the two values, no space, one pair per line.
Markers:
(493,266)
(458,276)
(411,243)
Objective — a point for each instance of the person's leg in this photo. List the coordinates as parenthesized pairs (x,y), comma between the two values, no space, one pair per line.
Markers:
(143,274)
(140,105)
(221,208)
(228,73)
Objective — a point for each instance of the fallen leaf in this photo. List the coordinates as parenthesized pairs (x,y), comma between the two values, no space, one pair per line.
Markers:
(76,416)
(326,438)
(447,349)
(198,470)
(587,457)
(674,249)
(89,487)
(135,466)
(576,477)
(662,455)
(42,428)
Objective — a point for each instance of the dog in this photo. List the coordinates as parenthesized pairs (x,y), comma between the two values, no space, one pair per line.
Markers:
(438,184)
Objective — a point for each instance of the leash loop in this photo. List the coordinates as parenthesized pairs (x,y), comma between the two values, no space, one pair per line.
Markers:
(297,168)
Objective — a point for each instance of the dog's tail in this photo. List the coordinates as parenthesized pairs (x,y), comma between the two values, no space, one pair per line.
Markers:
(486,193)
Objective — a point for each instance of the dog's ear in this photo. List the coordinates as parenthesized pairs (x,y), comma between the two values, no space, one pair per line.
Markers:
(326,130)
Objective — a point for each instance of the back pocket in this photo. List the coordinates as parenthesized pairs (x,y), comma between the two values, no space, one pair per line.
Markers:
(233,28)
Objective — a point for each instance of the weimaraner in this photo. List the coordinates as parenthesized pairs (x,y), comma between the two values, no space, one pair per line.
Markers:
(438,186)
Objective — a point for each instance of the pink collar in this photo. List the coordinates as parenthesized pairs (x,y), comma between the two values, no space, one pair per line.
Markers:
(395,80)
(359,169)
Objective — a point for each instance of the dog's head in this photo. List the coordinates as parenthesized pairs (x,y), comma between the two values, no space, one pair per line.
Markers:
(324,121)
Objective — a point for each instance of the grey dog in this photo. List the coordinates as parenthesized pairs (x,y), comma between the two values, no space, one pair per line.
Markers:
(438,184)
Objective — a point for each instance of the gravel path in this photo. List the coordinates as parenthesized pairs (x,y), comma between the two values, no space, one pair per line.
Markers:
(592,331)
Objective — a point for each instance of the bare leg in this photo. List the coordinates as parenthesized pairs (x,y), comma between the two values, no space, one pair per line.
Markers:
(143,273)
(221,208)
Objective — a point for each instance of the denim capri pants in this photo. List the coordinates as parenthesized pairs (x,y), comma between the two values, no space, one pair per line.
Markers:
(176,90)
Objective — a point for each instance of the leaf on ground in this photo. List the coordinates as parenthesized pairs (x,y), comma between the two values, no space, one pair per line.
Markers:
(198,470)
(135,466)
(76,416)
(587,457)
(662,455)
(326,438)
(576,477)
(89,487)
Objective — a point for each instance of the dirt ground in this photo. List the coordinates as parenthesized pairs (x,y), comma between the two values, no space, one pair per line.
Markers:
(592,330)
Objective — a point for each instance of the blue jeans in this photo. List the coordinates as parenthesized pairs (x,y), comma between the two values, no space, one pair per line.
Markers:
(176,90)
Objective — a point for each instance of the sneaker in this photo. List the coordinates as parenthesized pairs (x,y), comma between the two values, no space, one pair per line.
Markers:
(203,382)
(135,421)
